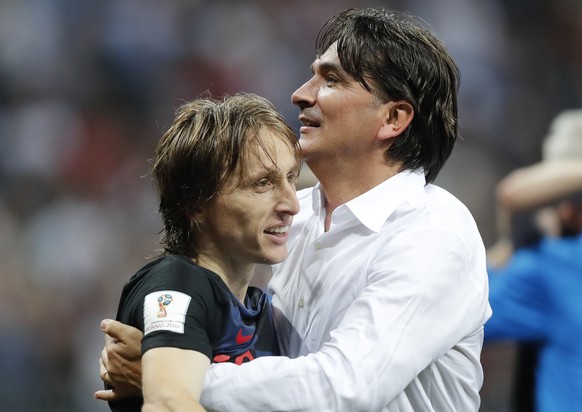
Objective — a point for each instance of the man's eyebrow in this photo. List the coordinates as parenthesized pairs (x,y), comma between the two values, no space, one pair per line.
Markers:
(327,67)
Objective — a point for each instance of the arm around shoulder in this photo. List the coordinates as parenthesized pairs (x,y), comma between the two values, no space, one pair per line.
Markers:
(410,312)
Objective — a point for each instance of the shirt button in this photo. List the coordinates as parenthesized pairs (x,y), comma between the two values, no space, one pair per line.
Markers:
(317,245)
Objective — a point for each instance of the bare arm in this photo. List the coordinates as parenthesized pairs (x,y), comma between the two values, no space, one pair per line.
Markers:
(537,185)
(173,379)
(529,188)
(164,387)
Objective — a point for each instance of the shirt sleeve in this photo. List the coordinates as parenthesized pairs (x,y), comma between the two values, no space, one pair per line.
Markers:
(518,299)
(419,301)
(176,312)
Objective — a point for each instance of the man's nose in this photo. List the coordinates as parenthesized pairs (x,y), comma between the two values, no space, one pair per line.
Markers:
(304,96)
(289,203)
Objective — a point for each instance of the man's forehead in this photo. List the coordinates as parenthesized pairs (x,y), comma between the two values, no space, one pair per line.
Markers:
(330,55)
(328,61)
(265,154)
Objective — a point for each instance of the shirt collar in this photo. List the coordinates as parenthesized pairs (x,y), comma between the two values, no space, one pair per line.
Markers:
(374,207)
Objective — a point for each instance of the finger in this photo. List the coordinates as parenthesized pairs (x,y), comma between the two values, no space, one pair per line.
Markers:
(108,339)
(103,360)
(104,373)
(120,332)
(112,329)
(106,395)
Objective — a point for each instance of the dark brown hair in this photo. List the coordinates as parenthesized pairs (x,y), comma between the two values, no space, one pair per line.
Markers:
(394,56)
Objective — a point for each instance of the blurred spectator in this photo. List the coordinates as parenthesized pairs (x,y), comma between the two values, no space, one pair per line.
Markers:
(535,288)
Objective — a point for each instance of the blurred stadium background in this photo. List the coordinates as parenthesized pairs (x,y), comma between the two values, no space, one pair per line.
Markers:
(88,87)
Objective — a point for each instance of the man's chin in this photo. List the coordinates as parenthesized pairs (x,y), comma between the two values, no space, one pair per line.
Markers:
(274,258)
(306,151)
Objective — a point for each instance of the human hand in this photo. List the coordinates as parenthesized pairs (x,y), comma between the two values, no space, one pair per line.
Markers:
(120,363)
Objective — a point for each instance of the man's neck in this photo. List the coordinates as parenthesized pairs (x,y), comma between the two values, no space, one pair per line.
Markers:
(236,277)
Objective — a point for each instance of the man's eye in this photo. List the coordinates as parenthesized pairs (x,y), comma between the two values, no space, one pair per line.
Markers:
(263,183)
(292,177)
(331,79)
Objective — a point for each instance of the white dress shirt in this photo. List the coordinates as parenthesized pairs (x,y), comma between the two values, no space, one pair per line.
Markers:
(387,309)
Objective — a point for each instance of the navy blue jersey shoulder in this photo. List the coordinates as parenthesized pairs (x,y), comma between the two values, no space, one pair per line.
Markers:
(214,321)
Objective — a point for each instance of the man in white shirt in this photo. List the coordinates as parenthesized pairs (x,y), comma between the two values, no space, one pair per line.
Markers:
(381,303)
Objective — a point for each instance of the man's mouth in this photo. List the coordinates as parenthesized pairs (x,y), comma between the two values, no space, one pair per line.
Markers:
(277,231)
(308,122)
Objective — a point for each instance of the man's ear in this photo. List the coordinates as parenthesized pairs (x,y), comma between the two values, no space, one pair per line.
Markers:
(397,117)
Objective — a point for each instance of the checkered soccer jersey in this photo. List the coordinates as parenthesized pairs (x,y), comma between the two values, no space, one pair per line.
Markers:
(177,303)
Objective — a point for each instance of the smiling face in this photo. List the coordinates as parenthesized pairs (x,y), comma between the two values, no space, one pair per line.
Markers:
(248,221)
(339,116)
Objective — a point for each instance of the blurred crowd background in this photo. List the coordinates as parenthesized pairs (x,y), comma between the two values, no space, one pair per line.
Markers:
(88,87)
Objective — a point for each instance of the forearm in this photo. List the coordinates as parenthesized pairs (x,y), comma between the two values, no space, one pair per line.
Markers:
(267,384)
(173,403)
(366,377)
(533,186)
(172,379)
(316,382)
